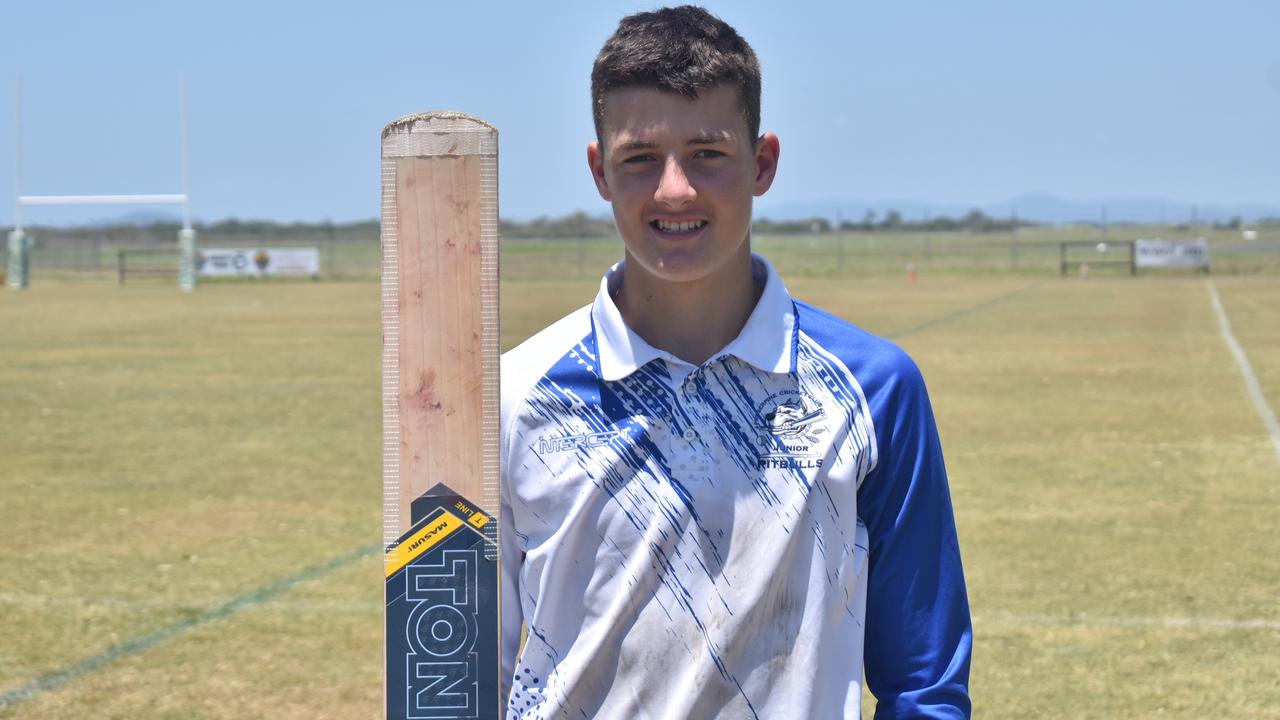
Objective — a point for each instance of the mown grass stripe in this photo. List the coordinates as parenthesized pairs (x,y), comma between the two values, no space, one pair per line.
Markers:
(949,317)
(141,644)
(136,605)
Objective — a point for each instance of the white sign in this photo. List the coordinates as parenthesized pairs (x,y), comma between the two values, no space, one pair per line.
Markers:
(1172,253)
(256,262)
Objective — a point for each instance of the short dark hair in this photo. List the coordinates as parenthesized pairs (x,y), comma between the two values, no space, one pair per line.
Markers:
(682,50)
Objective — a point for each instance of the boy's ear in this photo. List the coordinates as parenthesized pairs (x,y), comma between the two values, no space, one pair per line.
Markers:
(595,160)
(767,151)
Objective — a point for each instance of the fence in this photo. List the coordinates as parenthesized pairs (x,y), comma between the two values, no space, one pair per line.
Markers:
(354,254)
(874,254)
(77,253)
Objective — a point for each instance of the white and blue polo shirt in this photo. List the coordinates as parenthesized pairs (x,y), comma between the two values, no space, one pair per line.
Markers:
(728,540)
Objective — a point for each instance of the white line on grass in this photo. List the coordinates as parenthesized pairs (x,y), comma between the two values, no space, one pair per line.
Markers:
(1084,619)
(145,605)
(1250,380)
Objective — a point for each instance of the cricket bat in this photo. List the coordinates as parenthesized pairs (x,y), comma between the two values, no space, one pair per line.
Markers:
(440,416)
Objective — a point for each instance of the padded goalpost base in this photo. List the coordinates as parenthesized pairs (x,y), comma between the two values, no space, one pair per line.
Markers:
(19,270)
(187,259)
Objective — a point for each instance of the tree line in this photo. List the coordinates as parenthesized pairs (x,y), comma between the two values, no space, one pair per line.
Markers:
(577,225)
(582,225)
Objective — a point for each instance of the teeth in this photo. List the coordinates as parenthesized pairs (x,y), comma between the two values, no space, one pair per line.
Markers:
(691,225)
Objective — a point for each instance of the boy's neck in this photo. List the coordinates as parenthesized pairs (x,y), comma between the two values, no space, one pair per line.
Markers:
(692,320)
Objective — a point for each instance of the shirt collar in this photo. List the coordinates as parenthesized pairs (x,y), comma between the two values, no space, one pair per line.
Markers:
(767,340)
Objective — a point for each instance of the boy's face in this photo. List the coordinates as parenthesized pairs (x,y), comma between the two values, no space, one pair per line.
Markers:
(681,174)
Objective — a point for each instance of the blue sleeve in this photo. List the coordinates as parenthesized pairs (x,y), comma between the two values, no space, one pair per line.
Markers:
(918,632)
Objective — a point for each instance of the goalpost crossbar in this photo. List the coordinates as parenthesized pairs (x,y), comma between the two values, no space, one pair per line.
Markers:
(135,199)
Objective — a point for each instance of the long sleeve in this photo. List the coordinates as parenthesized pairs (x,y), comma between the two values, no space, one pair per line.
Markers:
(918,630)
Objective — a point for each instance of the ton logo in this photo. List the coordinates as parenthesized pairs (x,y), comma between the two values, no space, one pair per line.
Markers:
(441,666)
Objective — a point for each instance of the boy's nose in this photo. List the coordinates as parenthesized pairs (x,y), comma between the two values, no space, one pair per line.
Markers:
(674,188)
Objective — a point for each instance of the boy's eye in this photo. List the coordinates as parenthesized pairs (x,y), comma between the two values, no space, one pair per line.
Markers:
(708,154)
(635,159)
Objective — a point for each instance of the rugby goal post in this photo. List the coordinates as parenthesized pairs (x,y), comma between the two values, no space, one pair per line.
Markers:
(19,243)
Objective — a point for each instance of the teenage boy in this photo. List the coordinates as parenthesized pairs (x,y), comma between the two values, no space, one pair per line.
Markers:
(718,501)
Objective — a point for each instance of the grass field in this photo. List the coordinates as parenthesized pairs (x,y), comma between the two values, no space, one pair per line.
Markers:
(191,489)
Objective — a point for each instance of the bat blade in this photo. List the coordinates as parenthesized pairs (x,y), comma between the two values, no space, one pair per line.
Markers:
(440,416)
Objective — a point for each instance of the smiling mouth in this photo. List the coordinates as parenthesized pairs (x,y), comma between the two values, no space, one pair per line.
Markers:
(678,228)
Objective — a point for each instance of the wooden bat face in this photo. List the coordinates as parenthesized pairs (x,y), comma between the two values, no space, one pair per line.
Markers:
(440,416)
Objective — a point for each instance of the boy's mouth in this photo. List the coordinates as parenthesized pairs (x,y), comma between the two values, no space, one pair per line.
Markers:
(678,228)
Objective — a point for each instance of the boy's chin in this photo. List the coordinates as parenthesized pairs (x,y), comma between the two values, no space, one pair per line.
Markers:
(685,266)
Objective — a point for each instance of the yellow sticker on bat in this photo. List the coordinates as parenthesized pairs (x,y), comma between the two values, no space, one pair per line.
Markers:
(436,530)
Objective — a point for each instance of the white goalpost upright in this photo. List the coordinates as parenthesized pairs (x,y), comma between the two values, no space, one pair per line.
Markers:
(19,264)
(20,243)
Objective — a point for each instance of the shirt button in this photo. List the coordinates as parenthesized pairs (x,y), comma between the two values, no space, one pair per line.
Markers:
(690,434)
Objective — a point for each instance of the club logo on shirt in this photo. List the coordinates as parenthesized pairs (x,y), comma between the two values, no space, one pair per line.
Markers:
(789,429)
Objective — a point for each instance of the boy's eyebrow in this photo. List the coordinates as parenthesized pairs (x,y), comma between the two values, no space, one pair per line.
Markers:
(705,139)
(634,145)
(711,139)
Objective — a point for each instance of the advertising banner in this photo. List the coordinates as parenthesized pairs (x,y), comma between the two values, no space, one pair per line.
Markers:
(1172,253)
(258,262)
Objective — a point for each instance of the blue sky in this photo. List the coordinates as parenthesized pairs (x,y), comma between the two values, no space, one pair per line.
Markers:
(953,103)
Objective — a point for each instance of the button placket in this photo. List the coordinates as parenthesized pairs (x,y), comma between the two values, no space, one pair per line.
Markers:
(700,439)
(685,456)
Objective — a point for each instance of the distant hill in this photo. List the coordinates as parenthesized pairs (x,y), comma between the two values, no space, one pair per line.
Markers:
(1037,207)
(141,217)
